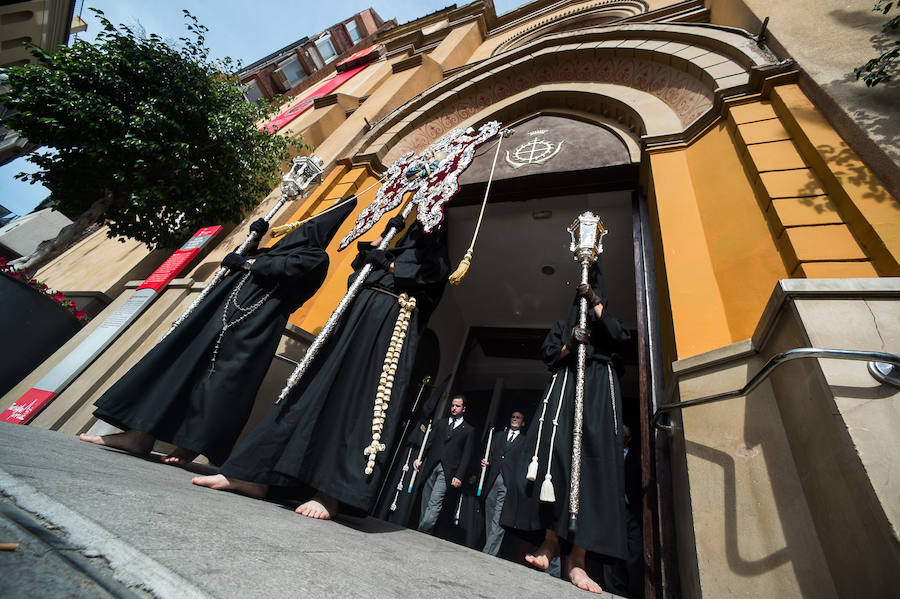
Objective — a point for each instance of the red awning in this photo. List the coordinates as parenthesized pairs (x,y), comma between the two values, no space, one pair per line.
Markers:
(300,107)
(364,56)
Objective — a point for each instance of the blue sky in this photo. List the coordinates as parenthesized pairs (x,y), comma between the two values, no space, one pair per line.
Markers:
(237,28)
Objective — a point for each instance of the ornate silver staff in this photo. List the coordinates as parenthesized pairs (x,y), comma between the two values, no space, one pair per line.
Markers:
(587,233)
(335,317)
(305,170)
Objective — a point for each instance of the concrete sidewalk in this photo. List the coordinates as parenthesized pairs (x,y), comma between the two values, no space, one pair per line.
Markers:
(161,534)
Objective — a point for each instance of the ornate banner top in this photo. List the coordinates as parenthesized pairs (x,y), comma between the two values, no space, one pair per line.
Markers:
(433,176)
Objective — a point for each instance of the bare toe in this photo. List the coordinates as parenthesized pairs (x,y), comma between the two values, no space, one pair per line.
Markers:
(320,507)
(538,562)
(180,457)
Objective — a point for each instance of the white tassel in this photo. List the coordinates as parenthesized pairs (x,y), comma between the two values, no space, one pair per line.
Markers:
(532,469)
(547,493)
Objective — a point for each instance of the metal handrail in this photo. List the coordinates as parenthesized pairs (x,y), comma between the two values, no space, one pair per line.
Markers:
(776,361)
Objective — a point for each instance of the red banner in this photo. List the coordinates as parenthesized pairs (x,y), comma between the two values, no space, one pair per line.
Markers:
(31,402)
(73,364)
(300,107)
(169,269)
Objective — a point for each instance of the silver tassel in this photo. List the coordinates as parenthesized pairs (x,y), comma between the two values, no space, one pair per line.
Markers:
(531,475)
(547,494)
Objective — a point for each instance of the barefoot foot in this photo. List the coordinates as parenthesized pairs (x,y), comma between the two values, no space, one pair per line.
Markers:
(577,573)
(321,507)
(179,457)
(220,482)
(132,441)
(540,559)
(584,582)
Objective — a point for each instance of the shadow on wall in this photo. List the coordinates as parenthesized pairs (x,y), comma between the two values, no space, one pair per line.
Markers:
(738,564)
(846,164)
(873,109)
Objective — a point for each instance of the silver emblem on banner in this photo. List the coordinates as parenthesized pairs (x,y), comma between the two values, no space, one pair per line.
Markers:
(536,151)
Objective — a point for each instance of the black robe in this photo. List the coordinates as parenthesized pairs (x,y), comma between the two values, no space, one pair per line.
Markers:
(601,518)
(171,394)
(317,435)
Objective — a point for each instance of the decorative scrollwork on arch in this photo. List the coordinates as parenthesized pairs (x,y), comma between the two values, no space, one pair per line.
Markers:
(582,14)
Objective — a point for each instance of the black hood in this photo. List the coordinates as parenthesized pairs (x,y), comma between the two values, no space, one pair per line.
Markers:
(319,231)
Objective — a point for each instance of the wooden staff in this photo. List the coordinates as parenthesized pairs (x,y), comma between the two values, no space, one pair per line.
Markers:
(412,479)
(487,454)
(305,170)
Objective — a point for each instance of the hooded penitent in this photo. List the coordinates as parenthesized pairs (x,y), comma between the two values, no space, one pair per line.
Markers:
(548,447)
(318,435)
(196,388)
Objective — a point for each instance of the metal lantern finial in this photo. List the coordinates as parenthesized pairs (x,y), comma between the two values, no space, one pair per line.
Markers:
(587,233)
(305,170)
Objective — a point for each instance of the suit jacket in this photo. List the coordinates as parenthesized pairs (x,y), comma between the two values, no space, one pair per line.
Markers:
(500,450)
(452,448)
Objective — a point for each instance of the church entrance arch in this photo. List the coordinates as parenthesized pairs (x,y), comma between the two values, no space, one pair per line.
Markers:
(557,165)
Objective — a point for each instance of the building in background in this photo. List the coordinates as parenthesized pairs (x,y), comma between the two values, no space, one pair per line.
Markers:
(299,65)
(45,23)
(750,186)
(23,235)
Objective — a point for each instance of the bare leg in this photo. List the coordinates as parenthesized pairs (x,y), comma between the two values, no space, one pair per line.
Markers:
(540,559)
(321,507)
(179,457)
(220,482)
(577,573)
(132,441)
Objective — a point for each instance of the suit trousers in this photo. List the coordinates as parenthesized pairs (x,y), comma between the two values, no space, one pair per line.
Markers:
(433,499)
(493,505)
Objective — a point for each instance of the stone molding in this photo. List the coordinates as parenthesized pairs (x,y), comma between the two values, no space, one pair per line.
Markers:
(691,68)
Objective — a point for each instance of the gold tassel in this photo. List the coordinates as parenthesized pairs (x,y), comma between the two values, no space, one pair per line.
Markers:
(284,229)
(461,270)
(547,493)
(532,469)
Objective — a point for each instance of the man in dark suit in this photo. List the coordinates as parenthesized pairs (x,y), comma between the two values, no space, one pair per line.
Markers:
(447,455)
(504,444)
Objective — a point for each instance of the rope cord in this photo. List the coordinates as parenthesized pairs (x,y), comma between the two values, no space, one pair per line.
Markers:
(461,270)
(287,228)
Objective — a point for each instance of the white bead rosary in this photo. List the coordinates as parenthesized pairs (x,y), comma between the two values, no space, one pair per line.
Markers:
(386,382)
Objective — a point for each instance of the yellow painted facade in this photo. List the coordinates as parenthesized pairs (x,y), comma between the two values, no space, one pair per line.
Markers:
(769,229)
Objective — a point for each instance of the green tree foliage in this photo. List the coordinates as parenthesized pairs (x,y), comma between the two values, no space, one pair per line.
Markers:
(153,140)
(884,66)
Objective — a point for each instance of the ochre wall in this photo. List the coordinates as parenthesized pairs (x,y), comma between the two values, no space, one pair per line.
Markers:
(769,192)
